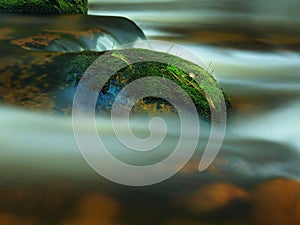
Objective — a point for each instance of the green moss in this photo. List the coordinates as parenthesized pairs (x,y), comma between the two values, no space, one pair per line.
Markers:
(198,83)
(76,65)
(44,6)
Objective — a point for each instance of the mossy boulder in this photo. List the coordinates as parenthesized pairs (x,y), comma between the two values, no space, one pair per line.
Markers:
(44,6)
(46,81)
(193,80)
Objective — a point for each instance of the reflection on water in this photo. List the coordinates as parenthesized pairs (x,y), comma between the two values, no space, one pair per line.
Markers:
(253,48)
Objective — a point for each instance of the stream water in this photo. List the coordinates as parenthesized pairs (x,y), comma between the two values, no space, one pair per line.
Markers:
(253,49)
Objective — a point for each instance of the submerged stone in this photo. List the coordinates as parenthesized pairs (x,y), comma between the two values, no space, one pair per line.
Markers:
(216,196)
(96,209)
(277,202)
(44,6)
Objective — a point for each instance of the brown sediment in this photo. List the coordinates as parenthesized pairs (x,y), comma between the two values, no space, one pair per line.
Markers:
(35,41)
(18,90)
(4,33)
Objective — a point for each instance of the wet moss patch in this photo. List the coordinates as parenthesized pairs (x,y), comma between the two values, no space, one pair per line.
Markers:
(44,6)
(195,81)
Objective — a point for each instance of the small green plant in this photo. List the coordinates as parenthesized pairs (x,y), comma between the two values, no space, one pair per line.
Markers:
(182,77)
(210,68)
(119,55)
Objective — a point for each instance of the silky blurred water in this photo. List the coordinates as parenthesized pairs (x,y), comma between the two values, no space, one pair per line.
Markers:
(252,47)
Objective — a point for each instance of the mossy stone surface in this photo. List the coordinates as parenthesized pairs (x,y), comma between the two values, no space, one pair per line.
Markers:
(47,81)
(194,80)
(47,7)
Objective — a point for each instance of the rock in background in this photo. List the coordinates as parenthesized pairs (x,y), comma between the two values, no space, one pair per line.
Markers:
(44,6)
